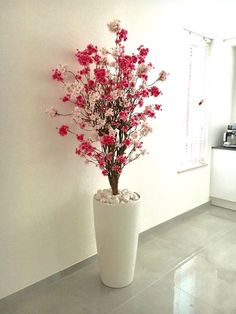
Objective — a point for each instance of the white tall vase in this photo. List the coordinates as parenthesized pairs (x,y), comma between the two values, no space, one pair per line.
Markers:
(117,229)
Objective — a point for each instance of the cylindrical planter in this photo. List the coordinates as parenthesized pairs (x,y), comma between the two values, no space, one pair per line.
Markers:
(117,229)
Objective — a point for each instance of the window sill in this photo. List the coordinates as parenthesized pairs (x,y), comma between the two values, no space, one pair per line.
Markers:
(192,167)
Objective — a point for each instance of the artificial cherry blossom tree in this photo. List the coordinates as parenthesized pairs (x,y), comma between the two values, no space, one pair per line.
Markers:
(108,92)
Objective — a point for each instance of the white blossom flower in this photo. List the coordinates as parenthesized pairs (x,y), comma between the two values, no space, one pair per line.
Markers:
(143,69)
(163,75)
(143,152)
(104,51)
(112,132)
(109,112)
(100,123)
(115,52)
(112,64)
(76,112)
(94,97)
(73,89)
(145,129)
(63,68)
(114,26)
(104,60)
(134,135)
(52,112)
(114,94)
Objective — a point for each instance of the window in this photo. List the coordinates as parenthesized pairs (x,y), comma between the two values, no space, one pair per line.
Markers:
(195,124)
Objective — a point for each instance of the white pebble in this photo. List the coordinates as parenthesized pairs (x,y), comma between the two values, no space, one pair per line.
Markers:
(124,196)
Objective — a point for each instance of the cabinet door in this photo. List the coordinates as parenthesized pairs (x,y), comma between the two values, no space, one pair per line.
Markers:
(223,174)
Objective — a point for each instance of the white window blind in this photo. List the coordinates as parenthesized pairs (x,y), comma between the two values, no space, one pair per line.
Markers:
(195,122)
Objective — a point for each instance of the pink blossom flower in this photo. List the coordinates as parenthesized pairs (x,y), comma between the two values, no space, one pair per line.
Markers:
(125,128)
(134,58)
(85,71)
(126,63)
(126,142)
(122,35)
(82,125)
(145,93)
(140,102)
(65,98)
(78,151)
(80,137)
(154,91)
(115,124)
(57,75)
(123,115)
(105,172)
(138,144)
(78,77)
(117,169)
(158,107)
(80,101)
(108,156)
(83,58)
(63,130)
(107,140)
(121,159)
(134,122)
(86,148)
(101,164)
(149,112)
(143,51)
(91,49)
(100,75)
(91,84)
(98,59)
(125,83)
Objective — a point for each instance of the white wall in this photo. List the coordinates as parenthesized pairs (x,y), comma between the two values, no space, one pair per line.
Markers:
(233,117)
(220,91)
(46,220)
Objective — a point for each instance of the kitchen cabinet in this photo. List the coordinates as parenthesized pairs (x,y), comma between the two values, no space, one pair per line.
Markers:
(223,177)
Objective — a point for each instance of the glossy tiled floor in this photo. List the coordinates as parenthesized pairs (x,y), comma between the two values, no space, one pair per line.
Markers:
(184,266)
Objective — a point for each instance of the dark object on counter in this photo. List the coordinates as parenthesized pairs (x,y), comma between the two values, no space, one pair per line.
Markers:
(229,138)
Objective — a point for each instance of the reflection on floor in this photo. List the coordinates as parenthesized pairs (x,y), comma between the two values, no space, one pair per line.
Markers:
(184,266)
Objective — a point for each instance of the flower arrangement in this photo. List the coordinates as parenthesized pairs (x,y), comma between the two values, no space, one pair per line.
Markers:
(108,118)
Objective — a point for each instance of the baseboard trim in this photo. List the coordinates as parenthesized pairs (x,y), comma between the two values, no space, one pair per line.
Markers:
(223,203)
(198,210)
(53,278)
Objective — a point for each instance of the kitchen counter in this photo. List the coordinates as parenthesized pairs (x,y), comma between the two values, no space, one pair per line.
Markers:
(224,147)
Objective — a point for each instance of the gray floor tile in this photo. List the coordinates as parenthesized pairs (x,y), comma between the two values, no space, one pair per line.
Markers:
(211,275)
(164,298)
(193,232)
(212,223)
